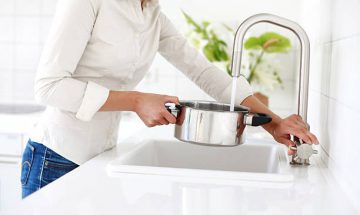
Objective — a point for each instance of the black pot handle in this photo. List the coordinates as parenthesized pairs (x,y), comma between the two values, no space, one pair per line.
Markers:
(256,119)
(173,108)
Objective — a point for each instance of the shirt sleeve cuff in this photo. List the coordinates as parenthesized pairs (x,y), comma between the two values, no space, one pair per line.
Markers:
(94,98)
(243,90)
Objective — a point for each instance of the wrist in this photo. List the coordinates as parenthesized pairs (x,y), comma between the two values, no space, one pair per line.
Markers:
(271,127)
(135,100)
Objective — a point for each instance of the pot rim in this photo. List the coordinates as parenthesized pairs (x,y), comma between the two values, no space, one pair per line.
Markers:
(238,108)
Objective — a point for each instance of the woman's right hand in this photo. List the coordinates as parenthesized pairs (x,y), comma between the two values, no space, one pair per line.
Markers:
(152,111)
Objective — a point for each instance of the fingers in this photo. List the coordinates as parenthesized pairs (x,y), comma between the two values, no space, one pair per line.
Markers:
(151,123)
(286,142)
(304,134)
(301,130)
(301,123)
(157,122)
(169,117)
(301,133)
(152,110)
(291,152)
(296,119)
(172,99)
(162,121)
(164,117)
(313,138)
(166,114)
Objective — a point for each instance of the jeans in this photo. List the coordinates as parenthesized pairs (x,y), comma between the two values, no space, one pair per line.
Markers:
(41,166)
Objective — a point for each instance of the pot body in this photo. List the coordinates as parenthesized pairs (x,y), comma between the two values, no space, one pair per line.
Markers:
(209,123)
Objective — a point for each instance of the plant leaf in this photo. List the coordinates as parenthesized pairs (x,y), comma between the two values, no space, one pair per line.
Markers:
(253,43)
(205,24)
(228,28)
(270,42)
(274,42)
(209,52)
(191,22)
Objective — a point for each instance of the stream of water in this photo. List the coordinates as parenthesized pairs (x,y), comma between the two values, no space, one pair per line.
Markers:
(233,94)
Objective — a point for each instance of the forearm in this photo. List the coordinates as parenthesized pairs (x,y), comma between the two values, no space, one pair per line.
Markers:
(256,106)
(149,107)
(120,101)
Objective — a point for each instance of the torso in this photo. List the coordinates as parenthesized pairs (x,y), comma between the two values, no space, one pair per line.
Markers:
(123,44)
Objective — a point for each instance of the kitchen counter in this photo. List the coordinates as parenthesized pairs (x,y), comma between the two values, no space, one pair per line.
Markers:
(90,190)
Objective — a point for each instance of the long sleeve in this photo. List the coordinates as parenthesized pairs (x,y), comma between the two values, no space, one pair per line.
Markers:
(174,47)
(69,35)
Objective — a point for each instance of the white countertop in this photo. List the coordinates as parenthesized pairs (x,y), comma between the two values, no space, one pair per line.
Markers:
(89,190)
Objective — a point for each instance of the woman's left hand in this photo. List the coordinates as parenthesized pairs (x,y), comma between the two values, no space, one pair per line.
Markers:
(293,125)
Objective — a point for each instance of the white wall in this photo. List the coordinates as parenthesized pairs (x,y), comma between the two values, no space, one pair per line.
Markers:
(23,28)
(230,10)
(334,113)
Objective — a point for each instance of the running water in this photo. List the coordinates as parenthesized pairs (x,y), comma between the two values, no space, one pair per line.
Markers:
(233,94)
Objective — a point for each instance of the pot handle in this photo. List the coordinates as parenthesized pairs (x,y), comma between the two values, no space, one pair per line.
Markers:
(173,108)
(256,119)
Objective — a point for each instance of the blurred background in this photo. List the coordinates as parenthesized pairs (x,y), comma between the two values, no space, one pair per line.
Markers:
(330,24)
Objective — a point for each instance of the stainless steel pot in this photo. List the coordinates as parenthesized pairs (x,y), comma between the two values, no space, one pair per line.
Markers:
(213,124)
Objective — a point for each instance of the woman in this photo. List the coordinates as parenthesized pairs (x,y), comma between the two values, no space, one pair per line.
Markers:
(97,51)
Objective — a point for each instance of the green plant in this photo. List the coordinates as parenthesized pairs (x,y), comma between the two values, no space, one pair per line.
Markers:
(203,36)
(266,43)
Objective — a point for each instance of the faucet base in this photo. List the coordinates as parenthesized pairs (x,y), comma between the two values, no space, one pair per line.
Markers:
(303,152)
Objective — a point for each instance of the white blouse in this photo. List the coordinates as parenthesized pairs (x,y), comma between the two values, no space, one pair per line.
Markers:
(99,45)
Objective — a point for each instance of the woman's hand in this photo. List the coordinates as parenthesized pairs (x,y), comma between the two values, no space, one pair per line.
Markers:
(293,125)
(281,129)
(151,109)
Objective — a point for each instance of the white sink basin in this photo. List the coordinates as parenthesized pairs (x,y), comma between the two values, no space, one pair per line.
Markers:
(251,162)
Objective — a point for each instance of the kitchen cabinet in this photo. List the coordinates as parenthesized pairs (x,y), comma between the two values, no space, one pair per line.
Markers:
(10,186)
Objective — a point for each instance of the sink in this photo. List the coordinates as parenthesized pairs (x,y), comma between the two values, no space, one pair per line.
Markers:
(252,161)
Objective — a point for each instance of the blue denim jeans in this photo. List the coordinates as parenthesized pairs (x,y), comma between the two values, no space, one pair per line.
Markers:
(41,166)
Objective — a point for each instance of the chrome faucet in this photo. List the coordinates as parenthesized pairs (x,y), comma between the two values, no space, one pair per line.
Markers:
(302,150)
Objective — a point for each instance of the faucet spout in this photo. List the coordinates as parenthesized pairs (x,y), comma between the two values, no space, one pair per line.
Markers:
(304,50)
(302,151)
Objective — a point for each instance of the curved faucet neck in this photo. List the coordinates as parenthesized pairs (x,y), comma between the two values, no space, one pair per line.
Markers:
(304,51)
